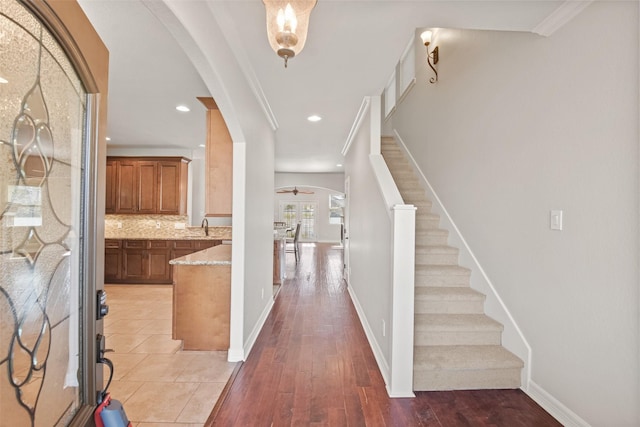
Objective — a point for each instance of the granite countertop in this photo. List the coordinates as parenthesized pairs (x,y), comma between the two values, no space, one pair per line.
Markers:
(217,255)
(190,233)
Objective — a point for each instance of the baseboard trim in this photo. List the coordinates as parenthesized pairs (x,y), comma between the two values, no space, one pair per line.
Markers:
(253,336)
(377,351)
(553,406)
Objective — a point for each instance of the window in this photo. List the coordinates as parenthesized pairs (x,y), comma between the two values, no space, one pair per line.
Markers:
(304,212)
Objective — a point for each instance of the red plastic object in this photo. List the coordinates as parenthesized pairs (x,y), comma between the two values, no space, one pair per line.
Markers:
(100,408)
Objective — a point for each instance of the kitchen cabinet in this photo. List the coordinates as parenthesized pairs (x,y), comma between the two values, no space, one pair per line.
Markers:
(172,187)
(218,163)
(186,247)
(111,185)
(279,260)
(202,300)
(147,185)
(147,261)
(112,260)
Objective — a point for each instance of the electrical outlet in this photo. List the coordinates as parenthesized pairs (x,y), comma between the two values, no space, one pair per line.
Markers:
(262,293)
(384,328)
(157,224)
(119,224)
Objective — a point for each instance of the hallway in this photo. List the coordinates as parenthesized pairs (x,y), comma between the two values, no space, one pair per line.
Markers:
(312,365)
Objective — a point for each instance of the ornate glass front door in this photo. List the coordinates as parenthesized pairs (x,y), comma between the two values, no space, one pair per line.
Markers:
(42,193)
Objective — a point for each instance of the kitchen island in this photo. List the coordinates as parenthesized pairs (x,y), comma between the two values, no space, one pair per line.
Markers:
(202,298)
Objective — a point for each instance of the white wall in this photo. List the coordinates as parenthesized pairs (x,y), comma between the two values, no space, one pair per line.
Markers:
(332,181)
(370,244)
(323,186)
(197,28)
(516,126)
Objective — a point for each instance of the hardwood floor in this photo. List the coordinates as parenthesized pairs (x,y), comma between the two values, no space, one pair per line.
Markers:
(312,366)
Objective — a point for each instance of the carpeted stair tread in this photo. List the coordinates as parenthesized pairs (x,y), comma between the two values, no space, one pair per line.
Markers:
(436,255)
(441,275)
(431,232)
(464,357)
(448,299)
(456,322)
(436,249)
(431,236)
(447,293)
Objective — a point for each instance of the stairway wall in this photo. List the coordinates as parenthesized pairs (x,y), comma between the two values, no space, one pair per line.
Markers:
(512,337)
(516,126)
(369,229)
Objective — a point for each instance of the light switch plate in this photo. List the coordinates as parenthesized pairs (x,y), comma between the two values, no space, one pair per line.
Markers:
(555,220)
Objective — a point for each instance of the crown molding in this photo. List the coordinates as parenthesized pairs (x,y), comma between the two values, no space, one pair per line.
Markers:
(559,17)
(364,108)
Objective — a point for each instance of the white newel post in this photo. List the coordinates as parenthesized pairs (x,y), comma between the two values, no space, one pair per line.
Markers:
(402,320)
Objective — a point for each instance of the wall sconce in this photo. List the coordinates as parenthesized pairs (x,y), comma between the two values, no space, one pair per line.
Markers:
(431,56)
(287,25)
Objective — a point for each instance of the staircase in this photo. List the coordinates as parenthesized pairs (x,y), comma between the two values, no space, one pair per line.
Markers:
(456,347)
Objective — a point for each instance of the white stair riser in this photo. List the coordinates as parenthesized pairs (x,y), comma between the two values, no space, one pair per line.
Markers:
(466,379)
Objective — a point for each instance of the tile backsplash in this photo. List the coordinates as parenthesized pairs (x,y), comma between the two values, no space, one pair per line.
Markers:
(156,226)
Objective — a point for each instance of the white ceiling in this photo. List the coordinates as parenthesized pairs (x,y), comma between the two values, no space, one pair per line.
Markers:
(351,50)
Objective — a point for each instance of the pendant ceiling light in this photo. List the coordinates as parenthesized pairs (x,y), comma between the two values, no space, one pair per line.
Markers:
(287,25)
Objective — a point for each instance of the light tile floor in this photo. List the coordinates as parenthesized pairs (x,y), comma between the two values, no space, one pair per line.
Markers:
(159,384)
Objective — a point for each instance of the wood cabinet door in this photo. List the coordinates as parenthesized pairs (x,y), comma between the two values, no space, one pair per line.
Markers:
(126,194)
(169,183)
(112,261)
(147,186)
(218,165)
(181,248)
(135,265)
(111,187)
(205,244)
(159,268)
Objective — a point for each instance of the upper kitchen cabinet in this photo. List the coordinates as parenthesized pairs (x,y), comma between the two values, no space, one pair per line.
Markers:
(147,185)
(172,187)
(110,202)
(218,163)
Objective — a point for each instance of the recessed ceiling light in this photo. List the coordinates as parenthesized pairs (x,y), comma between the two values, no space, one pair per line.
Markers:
(183,108)
(339,165)
(314,118)
(3,80)
(108,138)
(202,145)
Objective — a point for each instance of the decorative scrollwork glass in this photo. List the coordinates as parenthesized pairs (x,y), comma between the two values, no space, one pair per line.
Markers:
(42,128)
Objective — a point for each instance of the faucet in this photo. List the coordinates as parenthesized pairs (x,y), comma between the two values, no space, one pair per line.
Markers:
(205,224)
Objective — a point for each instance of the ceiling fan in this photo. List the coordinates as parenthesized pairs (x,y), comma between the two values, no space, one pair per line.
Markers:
(295,191)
